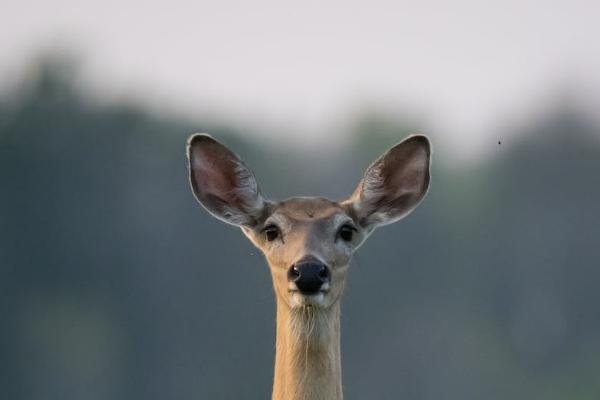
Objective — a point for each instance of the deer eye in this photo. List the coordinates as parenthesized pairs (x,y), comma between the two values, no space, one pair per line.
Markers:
(346,232)
(271,232)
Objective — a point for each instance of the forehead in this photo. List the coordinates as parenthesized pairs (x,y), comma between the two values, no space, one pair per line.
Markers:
(308,208)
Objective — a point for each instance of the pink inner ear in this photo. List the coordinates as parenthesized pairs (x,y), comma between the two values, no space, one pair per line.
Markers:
(222,183)
(215,174)
(395,183)
(406,175)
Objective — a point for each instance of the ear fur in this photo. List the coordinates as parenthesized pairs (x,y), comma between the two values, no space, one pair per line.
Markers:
(222,183)
(394,184)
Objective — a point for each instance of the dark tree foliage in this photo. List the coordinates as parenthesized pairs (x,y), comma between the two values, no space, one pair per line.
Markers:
(115,285)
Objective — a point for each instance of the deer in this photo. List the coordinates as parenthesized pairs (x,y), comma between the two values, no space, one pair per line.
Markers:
(308,243)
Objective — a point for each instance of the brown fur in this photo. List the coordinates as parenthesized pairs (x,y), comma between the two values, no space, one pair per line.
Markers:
(308,361)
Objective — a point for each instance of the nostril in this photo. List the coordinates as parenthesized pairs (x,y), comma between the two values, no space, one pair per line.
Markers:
(308,277)
(324,274)
(293,274)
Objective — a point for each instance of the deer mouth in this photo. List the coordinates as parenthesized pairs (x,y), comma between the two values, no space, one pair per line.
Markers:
(299,299)
(293,288)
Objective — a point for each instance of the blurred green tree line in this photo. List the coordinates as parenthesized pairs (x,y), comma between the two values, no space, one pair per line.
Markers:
(114,284)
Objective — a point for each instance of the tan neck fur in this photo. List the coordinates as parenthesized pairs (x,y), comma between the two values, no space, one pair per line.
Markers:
(307,360)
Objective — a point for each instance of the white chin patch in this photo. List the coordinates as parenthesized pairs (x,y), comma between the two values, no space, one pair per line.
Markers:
(300,300)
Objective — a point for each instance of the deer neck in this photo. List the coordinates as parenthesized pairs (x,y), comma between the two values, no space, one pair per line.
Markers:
(307,359)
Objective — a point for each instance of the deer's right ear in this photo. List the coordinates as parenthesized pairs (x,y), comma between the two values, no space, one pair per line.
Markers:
(222,183)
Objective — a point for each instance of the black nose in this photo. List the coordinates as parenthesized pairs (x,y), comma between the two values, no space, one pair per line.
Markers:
(308,276)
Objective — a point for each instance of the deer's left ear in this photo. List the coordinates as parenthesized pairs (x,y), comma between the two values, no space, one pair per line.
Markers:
(222,183)
(394,184)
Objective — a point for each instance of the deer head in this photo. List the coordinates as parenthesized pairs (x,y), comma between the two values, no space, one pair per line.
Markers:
(309,241)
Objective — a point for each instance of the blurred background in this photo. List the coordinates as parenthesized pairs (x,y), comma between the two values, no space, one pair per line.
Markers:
(115,284)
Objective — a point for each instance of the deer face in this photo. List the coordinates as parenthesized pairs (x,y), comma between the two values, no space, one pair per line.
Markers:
(308,242)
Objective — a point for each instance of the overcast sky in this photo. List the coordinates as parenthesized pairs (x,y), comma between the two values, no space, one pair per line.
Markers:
(306,65)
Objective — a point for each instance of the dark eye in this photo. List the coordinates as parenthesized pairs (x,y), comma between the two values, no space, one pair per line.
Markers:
(271,232)
(346,232)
